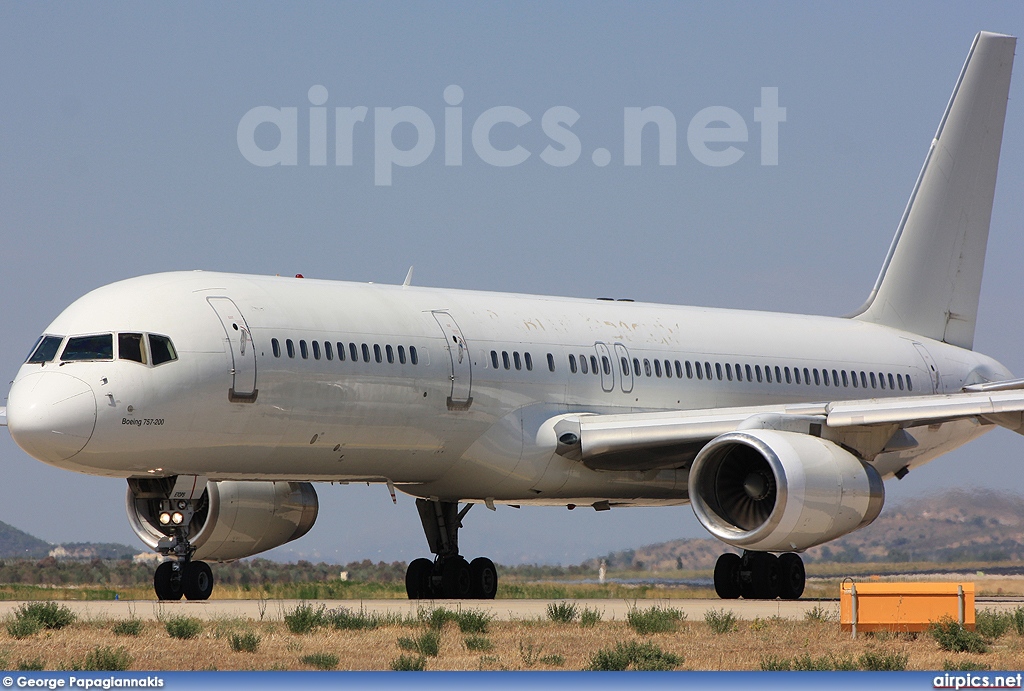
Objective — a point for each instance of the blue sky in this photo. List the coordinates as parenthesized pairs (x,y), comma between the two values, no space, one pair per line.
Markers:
(119,157)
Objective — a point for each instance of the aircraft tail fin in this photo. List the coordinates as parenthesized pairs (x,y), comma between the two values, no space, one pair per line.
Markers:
(931,279)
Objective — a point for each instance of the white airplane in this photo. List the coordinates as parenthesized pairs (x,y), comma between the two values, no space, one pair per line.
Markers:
(222,397)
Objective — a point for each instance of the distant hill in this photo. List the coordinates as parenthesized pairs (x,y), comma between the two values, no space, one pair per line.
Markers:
(957,526)
(17,544)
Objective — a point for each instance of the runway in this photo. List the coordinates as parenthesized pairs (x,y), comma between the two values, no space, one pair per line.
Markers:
(501,610)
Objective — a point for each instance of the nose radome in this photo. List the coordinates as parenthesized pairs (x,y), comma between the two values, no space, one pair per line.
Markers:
(51,415)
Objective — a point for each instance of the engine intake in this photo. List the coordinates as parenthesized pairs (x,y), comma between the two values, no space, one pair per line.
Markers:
(773,491)
(233,520)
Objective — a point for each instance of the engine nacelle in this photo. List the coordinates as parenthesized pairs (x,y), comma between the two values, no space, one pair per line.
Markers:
(233,519)
(772,491)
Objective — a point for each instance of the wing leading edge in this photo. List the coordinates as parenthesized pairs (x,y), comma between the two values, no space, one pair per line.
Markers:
(672,439)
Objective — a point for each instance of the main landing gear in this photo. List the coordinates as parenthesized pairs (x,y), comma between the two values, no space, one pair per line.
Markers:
(449,575)
(759,576)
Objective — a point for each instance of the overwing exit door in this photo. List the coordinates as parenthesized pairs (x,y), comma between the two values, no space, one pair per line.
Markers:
(240,349)
(462,367)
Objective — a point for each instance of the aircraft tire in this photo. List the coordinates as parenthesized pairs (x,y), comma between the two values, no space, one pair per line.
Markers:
(455,578)
(197,580)
(164,583)
(766,576)
(727,576)
(417,579)
(793,577)
(483,578)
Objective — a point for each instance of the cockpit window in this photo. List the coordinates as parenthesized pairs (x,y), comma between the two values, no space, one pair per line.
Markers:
(45,350)
(129,347)
(99,347)
(162,349)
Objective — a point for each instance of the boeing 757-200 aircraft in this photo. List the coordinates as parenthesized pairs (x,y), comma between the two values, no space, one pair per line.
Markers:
(221,398)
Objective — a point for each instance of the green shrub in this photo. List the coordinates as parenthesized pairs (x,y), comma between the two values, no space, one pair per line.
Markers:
(20,627)
(770,663)
(468,621)
(408,663)
(478,643)
(323,661)
(964,666)
(989,624)
(552,660)
(644,657)
(654,620)
(720,621)
(883,662)
(563,612)
(427,644)
(105,659)
(183,627)
(589,617)
(128,627)
(1017,616)
(36,665)
(304,618)
(248,642)
(50,615)
(346,619)
(953,637)
(818,614)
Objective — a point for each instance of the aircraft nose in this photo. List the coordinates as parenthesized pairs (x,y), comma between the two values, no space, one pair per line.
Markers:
(51,415)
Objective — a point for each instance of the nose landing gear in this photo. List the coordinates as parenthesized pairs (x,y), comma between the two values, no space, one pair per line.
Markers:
(449,575)
(180,576)
(759,576)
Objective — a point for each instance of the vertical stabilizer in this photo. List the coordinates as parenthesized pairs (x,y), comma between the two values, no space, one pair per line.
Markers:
(931,279)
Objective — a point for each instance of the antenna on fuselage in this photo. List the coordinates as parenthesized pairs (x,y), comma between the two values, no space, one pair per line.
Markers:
(408,278)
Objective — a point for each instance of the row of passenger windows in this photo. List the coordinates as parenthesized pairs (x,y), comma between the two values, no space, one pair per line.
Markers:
(352,352)
(137,347)
(730,372)
(517,362)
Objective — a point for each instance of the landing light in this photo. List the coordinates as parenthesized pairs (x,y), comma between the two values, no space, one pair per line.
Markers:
(177,518)
(165,518)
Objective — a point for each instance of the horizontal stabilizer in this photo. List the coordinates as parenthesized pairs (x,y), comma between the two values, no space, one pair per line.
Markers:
(3,417)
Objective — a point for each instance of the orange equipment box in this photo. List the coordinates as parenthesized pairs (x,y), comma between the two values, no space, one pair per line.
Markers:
(878,606)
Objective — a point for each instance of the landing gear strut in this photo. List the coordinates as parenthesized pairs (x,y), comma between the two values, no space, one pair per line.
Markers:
(449,575)
(180,575)
(759,576)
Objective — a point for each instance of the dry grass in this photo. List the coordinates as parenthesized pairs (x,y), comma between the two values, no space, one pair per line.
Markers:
(534,644)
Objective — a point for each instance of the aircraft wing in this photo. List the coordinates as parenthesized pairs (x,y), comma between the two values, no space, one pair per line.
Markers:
(672,439)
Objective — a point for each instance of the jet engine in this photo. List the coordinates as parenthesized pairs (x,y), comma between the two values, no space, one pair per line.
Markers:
(774,491)
(232,519)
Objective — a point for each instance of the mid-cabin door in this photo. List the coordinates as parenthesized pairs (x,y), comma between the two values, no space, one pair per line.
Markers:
(240,350)
(933,371)
(626,380)
(462,367)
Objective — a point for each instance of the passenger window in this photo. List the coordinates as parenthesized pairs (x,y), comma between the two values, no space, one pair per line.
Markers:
(290,347)
(328,350)
(45,349)
(376,353)
(835,378)
(316,350)
(679,370)
(551,362)
(414,357)
(353,351)
(366,353)
(625,366)
(401,355)
(824,373)
(689,370)
(796,375)
(778,375)
(750,378)
(529,361)
(494,359)
(700,370)
(707,370)
(341,351)
(910,383)
(303,350)
(892,383)
(593,364)
(657,368)
(768,374)
(583,364)
(817,379)
(504,359)
(515,359)
(807,376)
(789,378)
(739,372)
(863,380)
(161,350)
(275,346)
(606,365)
(757,371)
(668,369)
(636,367)
(873,383)
(853,376)
(390,353)
(129,347)
(899,380)
(572,364)
(728,371)
(718,370)
(647,367)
